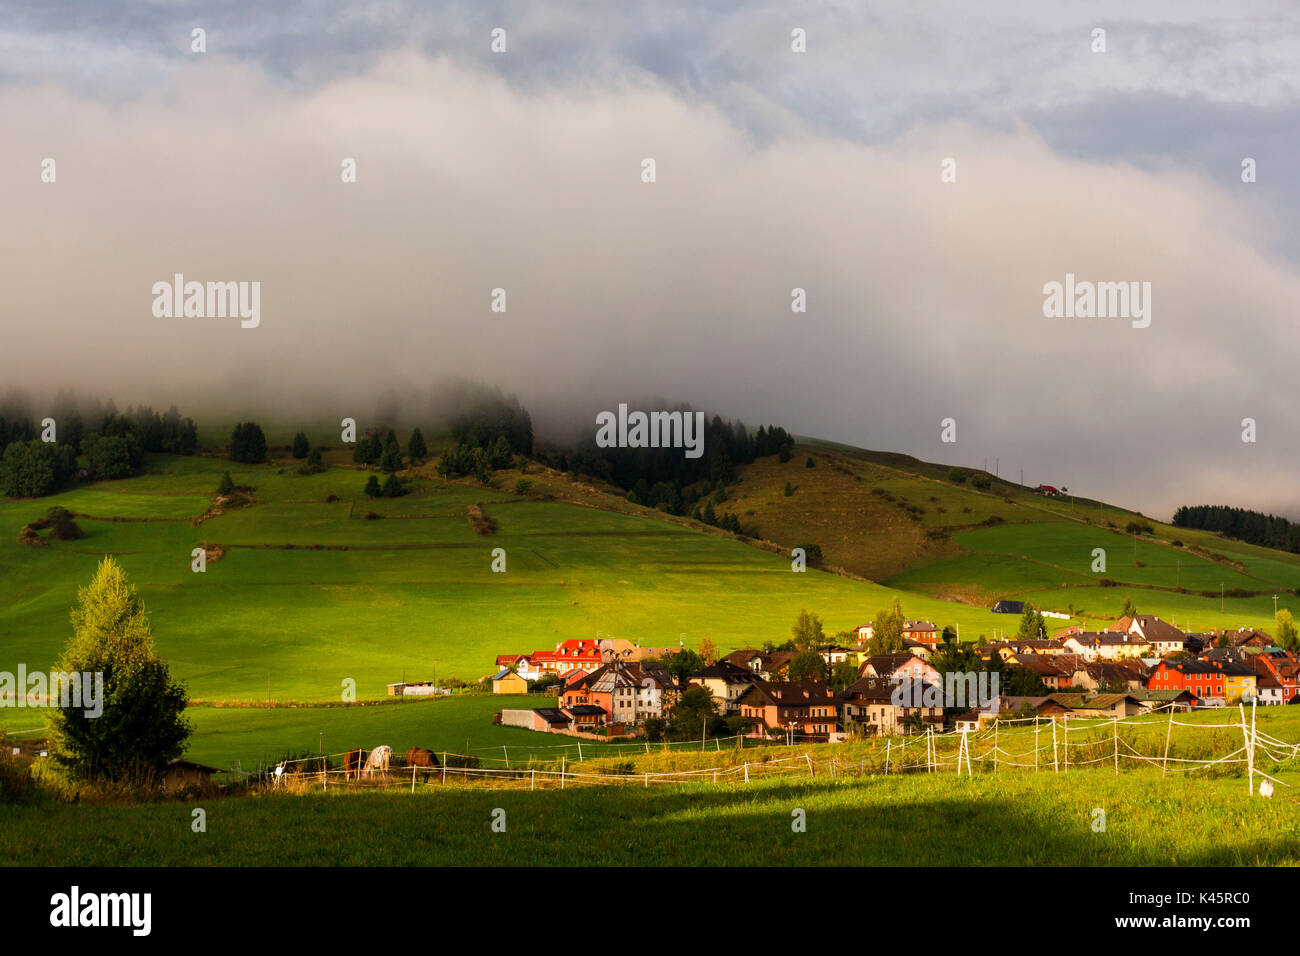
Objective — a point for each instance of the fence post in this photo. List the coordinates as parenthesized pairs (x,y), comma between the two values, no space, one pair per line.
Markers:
(1250,750)
(532,785)
(889,751)
(995,748)
(810,766)
(1169,733)
(1115,727)
(1252,745)
(1056,760)
(1035,743)
(505,753)
(563,760)
(412,778)
(746,771)
(1065,741)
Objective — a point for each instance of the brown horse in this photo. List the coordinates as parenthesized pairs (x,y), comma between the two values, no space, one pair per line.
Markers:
(353,761)
(419,757)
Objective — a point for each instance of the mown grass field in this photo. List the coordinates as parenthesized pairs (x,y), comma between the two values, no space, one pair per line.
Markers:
(925,819)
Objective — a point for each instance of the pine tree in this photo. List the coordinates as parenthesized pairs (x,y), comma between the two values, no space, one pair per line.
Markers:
(142,726)
(416,450)
(393,487)
(391,459)
(300,446)
(247,444)
(372,487)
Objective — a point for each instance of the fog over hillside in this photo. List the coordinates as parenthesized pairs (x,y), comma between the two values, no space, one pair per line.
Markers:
(523,173)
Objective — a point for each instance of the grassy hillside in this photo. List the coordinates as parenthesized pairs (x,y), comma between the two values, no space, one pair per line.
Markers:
(904,523)
(309,594)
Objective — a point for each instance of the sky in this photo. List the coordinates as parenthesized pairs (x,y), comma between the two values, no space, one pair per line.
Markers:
(774,170)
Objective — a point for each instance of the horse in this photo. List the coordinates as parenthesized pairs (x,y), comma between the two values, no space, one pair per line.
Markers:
(352,762)
(419,757)
(378,760)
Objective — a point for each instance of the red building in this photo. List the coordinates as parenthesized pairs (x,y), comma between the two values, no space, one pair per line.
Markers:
(580,653)
(1201,678)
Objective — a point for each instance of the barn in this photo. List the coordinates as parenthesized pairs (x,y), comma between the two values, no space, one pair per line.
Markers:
(181,774)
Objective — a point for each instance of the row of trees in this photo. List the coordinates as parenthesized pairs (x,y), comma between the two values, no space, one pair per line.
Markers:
(660,477)
(31,467)
(1253,527)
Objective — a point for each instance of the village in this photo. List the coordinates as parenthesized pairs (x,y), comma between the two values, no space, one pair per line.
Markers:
(609,688)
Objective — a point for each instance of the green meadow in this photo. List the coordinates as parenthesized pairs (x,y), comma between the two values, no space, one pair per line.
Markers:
(1021,819)
(309,593)
(319,588)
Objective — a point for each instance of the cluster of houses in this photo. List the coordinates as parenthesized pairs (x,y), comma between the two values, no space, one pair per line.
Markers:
(1139,664)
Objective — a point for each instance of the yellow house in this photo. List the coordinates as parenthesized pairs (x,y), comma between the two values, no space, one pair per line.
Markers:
(1238,682)
(508,682)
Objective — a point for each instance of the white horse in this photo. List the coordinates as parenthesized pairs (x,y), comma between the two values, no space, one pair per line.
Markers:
(378,760)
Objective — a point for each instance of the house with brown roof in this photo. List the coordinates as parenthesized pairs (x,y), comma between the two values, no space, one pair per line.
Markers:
(805,707)
(1050,671)
(727,682)
(768,665)
(1101,675)
(1164,638)
(876,707)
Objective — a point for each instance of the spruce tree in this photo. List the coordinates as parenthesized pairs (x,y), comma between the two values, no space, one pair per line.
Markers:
(142,725)
(416,450)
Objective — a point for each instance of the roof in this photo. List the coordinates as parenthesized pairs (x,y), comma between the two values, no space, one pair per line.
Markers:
(869,688)
(586,710)
(795,693)
(183,764)
(505,672)
(552,715)
(727,671)
(1098,702)
(1009,607)
(892,662)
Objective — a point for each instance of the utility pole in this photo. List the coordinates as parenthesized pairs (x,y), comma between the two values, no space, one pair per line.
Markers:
(1275,605)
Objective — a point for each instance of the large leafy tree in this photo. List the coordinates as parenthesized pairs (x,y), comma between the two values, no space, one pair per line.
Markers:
(142,726)
(694,714)
(807,631)
(34,468)
(1284,625)
(808,665)
(887,630)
